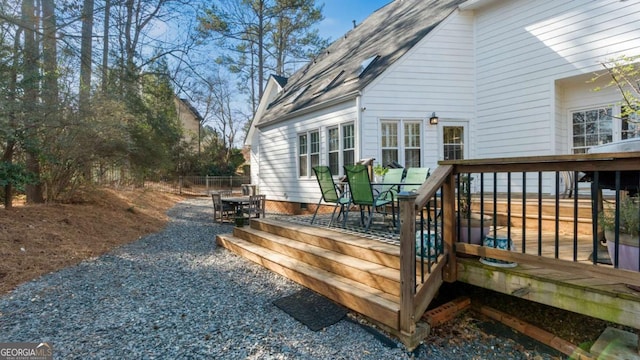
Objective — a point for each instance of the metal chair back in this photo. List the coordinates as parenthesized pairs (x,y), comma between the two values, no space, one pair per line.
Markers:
(391,178)
(414,179)
(359,184)
(329,192)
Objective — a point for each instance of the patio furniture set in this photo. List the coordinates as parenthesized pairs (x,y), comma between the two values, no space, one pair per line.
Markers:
(227,206)
(369,198)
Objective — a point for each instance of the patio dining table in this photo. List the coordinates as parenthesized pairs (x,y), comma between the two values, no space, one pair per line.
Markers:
(236,202)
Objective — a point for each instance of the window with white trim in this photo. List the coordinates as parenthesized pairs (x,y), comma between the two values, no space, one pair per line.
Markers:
(314,150)
(412,144)
(333,137)
(591,127)
(401,141)
(308,152)
(348,144)
(303,155)
(602,125)
(389,141)
(453,142)
(340,147)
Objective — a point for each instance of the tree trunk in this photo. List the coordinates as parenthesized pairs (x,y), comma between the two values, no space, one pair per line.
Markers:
(7,156)
(49,56)
(85,55)
(31,87)
(261,35)
(84,93)
(105,49)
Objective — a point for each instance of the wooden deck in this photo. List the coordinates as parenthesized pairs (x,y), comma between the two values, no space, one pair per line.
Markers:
(362,271)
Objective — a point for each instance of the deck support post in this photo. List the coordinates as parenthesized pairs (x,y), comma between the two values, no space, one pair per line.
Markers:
(449,228)
(406,203)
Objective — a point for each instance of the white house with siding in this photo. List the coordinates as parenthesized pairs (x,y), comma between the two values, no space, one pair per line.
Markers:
(505,78)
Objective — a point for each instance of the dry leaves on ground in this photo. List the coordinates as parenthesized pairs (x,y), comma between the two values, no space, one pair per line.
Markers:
(38,239)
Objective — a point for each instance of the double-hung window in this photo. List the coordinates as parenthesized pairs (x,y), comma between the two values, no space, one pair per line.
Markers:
(308,152)
(401,142)
(333,136)
(303,155)
(340,147)
(348,144)
(412,144)
(601,125)
(389,132)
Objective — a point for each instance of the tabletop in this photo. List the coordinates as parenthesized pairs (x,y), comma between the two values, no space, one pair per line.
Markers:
(236,199)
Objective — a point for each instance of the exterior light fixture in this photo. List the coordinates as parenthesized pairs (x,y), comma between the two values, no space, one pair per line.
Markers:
(433,120)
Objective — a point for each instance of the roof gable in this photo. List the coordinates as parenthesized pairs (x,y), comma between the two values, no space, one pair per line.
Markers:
(354,60)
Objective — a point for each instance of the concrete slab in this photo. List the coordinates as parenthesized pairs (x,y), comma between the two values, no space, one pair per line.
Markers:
(616,344)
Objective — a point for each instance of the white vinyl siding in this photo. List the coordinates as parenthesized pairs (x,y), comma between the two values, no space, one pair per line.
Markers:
(278,177)
(522,48)
(436,75)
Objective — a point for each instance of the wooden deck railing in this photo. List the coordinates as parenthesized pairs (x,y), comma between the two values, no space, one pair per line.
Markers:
(533,184)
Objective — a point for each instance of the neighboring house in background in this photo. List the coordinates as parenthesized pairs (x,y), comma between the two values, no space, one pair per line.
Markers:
(505,77)
(190,120)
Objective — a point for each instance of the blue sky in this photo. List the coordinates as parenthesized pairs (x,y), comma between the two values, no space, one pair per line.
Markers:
(340,13)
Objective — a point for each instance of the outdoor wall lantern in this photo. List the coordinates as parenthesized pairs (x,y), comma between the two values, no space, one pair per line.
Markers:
(433,120)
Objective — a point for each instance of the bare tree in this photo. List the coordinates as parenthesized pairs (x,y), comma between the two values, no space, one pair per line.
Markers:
(31,86)
(257,35)
(86,48)
(105,45)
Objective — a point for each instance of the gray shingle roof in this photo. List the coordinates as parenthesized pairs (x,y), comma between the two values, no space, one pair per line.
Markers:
(384,36)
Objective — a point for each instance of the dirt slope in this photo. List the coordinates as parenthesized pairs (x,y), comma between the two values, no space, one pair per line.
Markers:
(38,239)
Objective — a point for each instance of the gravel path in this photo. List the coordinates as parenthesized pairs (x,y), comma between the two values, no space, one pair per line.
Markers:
(175,295)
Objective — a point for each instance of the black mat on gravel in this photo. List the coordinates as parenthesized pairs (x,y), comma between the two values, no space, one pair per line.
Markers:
(314,310)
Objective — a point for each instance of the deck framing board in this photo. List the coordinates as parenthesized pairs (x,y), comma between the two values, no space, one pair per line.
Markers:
(607,305)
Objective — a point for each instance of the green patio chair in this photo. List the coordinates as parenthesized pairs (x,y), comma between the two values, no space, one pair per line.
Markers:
(363,196)
(414,179)
(391,181)
(330,193)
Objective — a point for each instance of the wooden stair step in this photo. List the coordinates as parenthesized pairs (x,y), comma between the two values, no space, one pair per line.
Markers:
(363,299)
(362,271)
(353,245)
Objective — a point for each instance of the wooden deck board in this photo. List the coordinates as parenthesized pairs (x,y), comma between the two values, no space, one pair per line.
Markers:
(365,272)
(597,291)
(366,300)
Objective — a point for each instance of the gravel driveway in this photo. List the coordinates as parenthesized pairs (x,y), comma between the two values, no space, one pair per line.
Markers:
(175,295)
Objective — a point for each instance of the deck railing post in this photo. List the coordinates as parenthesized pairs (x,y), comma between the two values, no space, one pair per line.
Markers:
(449,228)
(406,203)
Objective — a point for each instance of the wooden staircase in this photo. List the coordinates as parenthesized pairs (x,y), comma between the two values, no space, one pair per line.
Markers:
(359,273)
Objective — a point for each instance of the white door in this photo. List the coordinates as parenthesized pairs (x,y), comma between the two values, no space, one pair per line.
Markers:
(452,140)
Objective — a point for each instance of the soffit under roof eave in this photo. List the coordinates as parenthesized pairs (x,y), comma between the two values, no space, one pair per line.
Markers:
(346,97)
